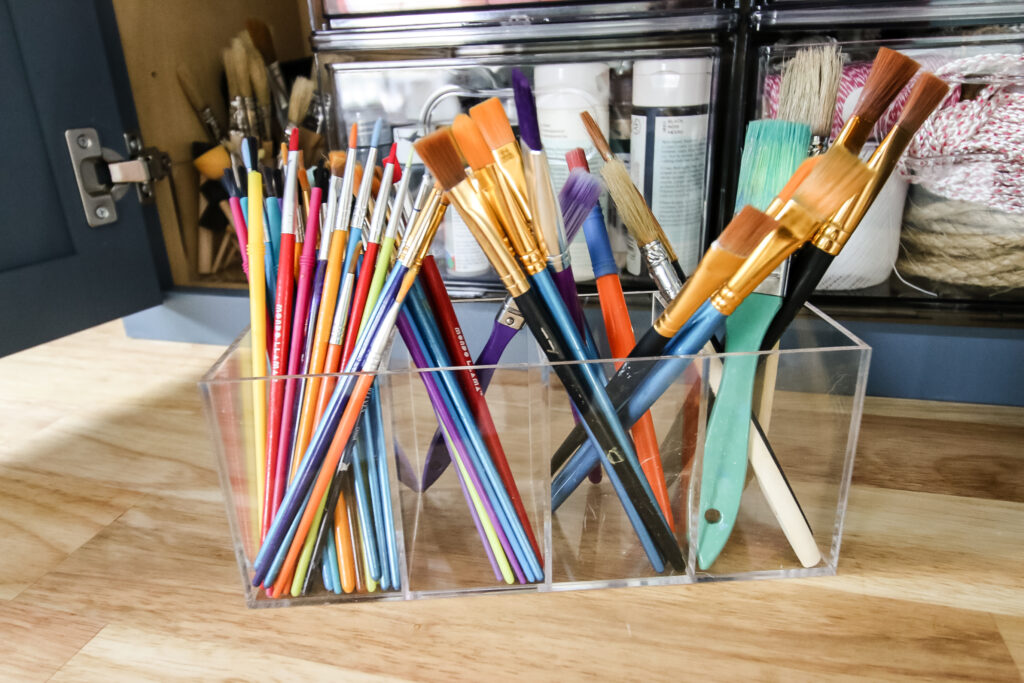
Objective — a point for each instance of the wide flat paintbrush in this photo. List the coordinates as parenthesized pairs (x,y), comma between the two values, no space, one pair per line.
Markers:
(814,259)
(264,42)
(189,86)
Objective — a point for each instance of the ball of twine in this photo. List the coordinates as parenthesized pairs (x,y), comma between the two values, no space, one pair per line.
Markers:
(961,243)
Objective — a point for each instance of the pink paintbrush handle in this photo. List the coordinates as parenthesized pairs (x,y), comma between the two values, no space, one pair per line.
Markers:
(306,264)
(241,231)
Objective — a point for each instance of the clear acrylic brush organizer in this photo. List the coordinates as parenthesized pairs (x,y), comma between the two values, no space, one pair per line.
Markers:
(811,417)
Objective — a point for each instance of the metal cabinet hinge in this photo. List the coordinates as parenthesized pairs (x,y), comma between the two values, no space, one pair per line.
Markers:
(104,176)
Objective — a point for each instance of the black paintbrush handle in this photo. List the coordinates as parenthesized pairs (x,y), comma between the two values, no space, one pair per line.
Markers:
(572,375)
(808,267)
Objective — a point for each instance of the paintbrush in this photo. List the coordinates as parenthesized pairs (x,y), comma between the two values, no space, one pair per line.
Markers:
(549,321)
(328,301)
(813,260)
(188,84)
(261,38)
(618,327)
(548,225)
(240,64)
(335,429)
(807,92)
(662,263)
(237,120)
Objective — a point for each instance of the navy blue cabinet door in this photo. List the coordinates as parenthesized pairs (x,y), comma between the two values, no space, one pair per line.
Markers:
(61,67)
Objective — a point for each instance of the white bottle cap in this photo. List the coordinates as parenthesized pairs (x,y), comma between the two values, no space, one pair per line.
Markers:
(672,82)
(589,78)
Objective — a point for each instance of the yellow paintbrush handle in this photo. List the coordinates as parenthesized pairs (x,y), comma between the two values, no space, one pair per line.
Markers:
(258,332)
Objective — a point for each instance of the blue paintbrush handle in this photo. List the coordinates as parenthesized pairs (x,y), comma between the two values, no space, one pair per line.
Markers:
(567,479)
(419,307)
(363,511)
(377,423)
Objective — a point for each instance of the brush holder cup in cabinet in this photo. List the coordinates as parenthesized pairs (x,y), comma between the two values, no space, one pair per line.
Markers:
(808,396)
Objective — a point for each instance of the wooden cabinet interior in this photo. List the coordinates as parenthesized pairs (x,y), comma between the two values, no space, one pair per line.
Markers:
(156,37)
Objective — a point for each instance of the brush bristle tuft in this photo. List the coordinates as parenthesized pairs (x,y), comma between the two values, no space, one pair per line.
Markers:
(577,158)
(772,151)
(835,178)
(578,196)
(337,160)
(890,71)
(631,205)
(492,120)
(745,231)
(353,133)
(240,62)
(927,94)
(441,156)
(808,88)
(471,142)
(526,107)
(298,103)
(392,158)
(798,177)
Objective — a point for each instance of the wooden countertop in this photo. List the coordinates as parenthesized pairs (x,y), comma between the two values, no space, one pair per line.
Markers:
(116,559)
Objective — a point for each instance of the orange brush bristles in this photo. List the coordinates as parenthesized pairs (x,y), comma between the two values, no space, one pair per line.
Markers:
(441,156)
(493,123)
(925,96)
(471,142)
(745,231)
(890,71)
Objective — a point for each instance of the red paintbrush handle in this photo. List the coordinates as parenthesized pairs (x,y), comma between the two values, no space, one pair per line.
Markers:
(307,262)
(282,330)
(621,340)
(355,314)
(459,354)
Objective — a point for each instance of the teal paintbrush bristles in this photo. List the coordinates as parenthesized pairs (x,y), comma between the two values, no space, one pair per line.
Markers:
(772,152)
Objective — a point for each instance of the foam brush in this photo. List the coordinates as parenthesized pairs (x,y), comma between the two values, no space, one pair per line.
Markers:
(662,263)
(548,225)
(334,430)
(538,299)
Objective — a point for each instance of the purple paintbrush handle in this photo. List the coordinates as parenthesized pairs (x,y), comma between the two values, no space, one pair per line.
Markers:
(566,284)
(437,454)
(429,381)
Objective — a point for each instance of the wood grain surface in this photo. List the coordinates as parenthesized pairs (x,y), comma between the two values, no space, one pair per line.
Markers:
(116,559)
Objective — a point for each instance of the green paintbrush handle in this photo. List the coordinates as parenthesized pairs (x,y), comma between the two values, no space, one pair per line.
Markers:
(725,450)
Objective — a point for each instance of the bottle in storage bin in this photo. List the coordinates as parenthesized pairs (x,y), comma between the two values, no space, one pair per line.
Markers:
(463,255)
(563,91)
(668,149)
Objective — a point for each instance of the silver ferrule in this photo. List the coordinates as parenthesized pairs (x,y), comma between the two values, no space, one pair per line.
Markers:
(363,200)
(818,145)
(661,270)
(251,115)
(345,194)
(381,206)
(547,216)
(328,222)
(291,180)
(236,115)
(277,85)
(509,315)
(341,310)
(398,204)
(211,125)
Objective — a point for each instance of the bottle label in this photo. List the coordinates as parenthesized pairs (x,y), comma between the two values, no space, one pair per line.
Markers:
(669,158)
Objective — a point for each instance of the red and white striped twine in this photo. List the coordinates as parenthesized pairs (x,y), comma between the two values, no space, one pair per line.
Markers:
(973,150)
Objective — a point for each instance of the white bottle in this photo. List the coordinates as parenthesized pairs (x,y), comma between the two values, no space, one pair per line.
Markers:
(563,91)
(668,150)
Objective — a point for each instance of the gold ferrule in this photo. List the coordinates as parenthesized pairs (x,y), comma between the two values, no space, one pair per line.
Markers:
(433,223)
(854,134)
(547,216)
(421,225)
(797,226)
(519,236)
(486,228)
(715,268)
(509,160)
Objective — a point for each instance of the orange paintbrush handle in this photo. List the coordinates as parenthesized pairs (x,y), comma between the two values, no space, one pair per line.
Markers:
(345,428)
(331,364)
(621,340)
(322,335)
(343,541)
